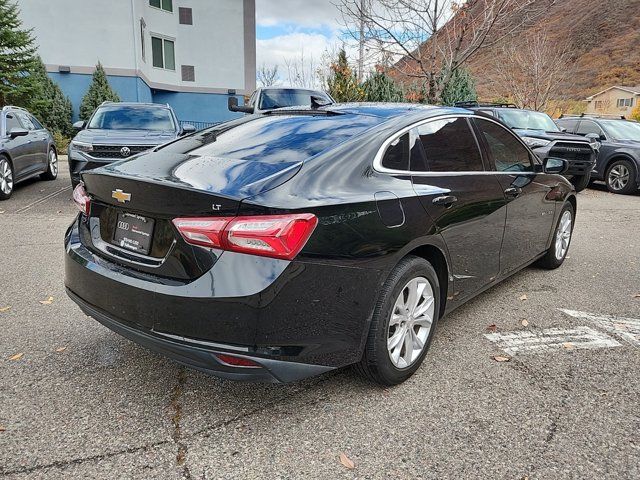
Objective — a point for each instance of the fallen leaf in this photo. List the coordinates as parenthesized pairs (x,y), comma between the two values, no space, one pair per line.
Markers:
(48,301)
(492,327)
(347,462)
(525,323)
(2,429)
(501,358)
(1,211)
(568,345)
(17,356)
(523,297)
(61,349)
(637,295)
(5,309)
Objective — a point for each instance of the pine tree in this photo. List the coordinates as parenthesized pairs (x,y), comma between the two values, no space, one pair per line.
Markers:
(17,50)
(342,83)
(461,87)
(381,88)
(99,91)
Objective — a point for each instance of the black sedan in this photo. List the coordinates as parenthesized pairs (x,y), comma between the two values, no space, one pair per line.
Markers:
(281,246)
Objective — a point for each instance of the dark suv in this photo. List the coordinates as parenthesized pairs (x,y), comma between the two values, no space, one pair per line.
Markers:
(27,149)
(120,130)
(545,138)
(618,163)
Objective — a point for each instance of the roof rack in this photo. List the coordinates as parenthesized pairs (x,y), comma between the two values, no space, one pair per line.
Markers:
(594,115)
(12,107)
(475,104)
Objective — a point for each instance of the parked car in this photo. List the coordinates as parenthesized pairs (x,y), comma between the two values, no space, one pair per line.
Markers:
(266,99)
(120,130)
(539,131)
(27,149)
(618,163)
(280,246)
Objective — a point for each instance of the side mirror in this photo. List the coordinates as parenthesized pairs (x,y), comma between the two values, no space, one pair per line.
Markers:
(234,107)
(187,128)
(555,165)
(18,132)
(79,125)
(563,130)
(594,137)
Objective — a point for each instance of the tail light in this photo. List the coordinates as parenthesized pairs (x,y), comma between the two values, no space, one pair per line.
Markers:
(81,199)
(278,236)
(234,361)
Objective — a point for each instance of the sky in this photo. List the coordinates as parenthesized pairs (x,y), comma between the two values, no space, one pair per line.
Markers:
(286,28)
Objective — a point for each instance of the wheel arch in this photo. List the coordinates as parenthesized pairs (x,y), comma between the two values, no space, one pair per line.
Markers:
(619,156)
(574,203)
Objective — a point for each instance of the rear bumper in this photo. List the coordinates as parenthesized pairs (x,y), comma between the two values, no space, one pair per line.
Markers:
(290,313)
(201,357)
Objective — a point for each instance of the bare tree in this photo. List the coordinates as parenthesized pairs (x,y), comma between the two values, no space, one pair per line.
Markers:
(267,76)
(302,71)
(431,39)
(532,71)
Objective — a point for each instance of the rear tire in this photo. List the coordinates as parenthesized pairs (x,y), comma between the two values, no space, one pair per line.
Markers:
(621,177)
(6,178)
(561,239)
(580,182)
(403,323)
(52,166)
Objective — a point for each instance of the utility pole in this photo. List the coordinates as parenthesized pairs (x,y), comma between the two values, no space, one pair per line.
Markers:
(361,42)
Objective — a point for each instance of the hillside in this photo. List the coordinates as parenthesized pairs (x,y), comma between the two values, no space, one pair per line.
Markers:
(603,38)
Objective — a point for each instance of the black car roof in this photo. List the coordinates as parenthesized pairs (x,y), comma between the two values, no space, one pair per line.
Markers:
(392,110)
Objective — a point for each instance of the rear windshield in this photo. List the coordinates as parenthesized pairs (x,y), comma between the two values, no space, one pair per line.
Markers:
(132,118)
(528,120)
(274,139)
(287,98)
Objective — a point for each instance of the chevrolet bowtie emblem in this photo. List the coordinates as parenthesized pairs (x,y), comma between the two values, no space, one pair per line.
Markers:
(121,196)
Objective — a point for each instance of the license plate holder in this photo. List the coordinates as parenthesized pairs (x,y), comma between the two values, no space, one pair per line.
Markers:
(134,232)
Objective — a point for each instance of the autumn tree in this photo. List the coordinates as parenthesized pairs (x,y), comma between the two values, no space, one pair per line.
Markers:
(342,83)
(431,39)
(461,87)
(17,51)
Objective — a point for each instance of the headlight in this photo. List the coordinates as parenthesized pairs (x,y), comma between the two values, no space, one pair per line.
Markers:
(81,146)
(535,142)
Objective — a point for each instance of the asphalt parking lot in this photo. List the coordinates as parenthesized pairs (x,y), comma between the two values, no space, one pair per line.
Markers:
(78,401)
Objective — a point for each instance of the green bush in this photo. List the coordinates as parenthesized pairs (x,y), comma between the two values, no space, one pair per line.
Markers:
(342,83)
(381,88)
(461,87)
(62,142)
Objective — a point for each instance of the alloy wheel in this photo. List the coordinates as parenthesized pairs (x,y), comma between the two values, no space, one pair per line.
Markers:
(563,235)
(6,177)
(619,177)
(410,323)
(53,163)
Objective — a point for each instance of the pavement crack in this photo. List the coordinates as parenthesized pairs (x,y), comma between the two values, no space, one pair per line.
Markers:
(176,418)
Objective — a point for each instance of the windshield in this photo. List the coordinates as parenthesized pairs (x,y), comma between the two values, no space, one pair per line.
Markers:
(622,130)
(133,118)
(527,120)
(287,98)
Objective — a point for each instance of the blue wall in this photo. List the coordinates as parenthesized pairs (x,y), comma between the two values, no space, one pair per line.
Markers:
(194,107)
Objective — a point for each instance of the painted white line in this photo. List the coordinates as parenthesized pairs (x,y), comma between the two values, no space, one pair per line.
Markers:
(551,338)
(43,199)
(627,329)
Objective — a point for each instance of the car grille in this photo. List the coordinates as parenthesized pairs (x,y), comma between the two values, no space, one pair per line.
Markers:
(115,151)
(572,151)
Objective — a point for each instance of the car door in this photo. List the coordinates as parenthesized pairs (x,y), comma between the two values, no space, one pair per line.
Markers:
(17,147)
(586,127)
(37,148)
(530,213)
(42,137)
(464,200)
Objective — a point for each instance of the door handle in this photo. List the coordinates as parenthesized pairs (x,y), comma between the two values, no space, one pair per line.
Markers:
(445,200)
(513,191)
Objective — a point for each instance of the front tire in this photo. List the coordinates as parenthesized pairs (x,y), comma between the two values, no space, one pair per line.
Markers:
(6,178)
(621,177)
(52,166)
(561,239)
(580,182)
(403,323)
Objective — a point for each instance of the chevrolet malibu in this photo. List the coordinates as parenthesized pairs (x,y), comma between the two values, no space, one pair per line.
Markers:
(280,246)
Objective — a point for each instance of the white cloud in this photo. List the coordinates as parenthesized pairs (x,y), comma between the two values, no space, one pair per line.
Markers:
(306,13)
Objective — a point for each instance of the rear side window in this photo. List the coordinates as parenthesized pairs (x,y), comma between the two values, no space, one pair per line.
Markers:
(587,127)
(449,146)
(509,155)
(12,122)
(36,123)
(404,153)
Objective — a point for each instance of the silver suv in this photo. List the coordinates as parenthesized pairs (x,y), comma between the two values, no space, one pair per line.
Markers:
(120,130)
(27,149)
